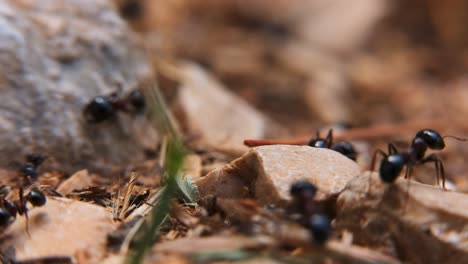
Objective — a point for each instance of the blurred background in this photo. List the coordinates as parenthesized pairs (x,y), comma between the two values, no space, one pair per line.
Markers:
(319,63)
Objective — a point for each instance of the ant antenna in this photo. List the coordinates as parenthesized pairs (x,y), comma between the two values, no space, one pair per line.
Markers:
(454,137)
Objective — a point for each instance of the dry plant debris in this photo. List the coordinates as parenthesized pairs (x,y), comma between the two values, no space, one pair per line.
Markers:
(375,71)
(62,227)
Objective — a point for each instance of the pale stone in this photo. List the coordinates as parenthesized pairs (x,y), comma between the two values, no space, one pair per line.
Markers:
(219,117)
(268,172)
(62,227)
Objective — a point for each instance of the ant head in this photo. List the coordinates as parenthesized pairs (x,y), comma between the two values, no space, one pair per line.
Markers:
(432,138)
(346,149)
(390,167)
(98,110)
(137,100)
(303,188)
(318,143)
(35,159)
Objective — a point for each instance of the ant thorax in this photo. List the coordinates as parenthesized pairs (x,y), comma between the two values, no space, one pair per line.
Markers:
(417,150)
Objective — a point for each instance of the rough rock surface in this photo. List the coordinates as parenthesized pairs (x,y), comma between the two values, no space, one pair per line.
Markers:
(267,173)
(62,226)
(217,116)
(54,57)
(424,225)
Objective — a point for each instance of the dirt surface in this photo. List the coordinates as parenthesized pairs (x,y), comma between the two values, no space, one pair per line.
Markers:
(239,84)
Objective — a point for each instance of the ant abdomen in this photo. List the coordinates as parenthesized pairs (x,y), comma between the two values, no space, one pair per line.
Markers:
(343,147)
(391,167)
(102,108)
(98,110)
(36,198)
(5,217)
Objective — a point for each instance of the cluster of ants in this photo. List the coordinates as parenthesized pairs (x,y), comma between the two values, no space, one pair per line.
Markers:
(16,203)
(391,166)
(394,161)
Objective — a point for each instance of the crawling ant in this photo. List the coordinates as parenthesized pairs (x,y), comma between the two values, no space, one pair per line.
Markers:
(342,147)
(102,108)
(392,163)
(9,209)
(303,193)
(15,203)
(29,169)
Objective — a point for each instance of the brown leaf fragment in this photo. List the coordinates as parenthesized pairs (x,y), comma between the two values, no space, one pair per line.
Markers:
(95,194)
(79,180)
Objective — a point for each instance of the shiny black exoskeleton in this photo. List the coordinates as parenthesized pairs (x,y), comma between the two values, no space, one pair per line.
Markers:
(318,224)
(131,9)
(320,228)
(303,193)
(36,197)
(29,169)
(102,108)
(342,147)
(10,209)
(392,163)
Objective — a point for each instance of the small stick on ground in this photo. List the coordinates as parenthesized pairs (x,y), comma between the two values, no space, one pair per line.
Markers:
(374,132)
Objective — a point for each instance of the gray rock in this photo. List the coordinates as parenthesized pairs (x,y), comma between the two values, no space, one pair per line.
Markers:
(54,57)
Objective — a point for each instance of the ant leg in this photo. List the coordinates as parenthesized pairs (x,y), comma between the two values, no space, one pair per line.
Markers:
(392,149)
(329,138)
(442,174)
(408,173)
(24,209)
(439,166)
(374,158)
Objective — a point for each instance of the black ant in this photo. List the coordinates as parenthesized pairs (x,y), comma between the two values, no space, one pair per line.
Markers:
(392,163)
(342,147)
(29,169)
(131,9)
(303,193)
(9,209)
(102,108)
(11,206)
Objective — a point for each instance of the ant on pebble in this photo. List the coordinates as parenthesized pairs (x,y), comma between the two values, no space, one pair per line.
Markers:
(102,108)
(392,163)
(11,206)
(342,147)
(303,193)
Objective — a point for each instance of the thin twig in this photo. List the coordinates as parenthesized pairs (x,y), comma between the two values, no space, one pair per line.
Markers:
(374,132)
(128,195)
